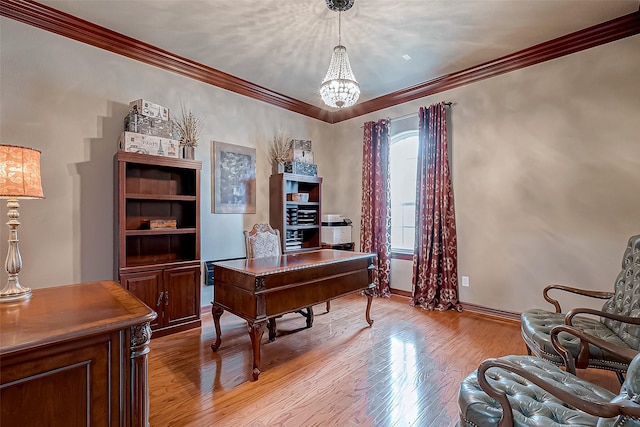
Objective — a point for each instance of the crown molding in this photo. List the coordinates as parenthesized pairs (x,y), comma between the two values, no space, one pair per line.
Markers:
(615,29)
(55,21)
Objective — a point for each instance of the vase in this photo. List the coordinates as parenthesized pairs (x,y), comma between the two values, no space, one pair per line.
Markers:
(277,167)
(188,152)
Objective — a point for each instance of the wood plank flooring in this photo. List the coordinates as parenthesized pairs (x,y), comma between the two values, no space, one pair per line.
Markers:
(403,371)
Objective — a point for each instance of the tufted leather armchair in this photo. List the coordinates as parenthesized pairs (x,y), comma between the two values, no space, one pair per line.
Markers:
(617,322)
(530,391)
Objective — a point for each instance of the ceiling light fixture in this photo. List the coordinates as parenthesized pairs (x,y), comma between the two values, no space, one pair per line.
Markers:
(339,89)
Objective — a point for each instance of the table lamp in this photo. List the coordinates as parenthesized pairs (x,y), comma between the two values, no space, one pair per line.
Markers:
(19,179)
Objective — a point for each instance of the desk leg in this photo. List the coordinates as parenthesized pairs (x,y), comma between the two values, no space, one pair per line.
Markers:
(369,300)
(216,311)
(256,330)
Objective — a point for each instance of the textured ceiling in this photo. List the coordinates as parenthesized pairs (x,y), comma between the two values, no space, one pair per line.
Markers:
(286,46)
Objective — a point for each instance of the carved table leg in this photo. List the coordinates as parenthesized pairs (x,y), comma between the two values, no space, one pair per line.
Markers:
(256,330)
(216,311)
(369,300)
(271,324)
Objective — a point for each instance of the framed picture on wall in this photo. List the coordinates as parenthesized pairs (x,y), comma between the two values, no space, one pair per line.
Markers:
(234,178)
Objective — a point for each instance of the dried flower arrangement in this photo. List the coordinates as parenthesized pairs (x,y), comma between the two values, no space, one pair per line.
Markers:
(279,148)
(188,127)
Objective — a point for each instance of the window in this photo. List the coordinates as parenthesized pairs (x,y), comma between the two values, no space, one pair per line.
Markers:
(403,164)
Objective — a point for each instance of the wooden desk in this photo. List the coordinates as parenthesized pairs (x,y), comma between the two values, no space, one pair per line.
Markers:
(75,355)
(264,288)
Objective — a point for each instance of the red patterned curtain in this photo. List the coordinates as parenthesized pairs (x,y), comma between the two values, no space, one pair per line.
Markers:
(435,258)
(375,222)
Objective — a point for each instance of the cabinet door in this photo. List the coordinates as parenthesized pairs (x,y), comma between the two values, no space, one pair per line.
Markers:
(182,295)
(147,286)
(62,385)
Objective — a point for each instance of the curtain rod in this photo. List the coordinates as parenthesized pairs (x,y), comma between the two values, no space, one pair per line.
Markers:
(406,116)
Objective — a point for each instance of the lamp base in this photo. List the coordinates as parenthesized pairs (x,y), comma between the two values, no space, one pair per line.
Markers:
(15,294)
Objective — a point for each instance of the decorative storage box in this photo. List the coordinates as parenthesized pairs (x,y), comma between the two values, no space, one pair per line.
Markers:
(300,151)
(148,144)
(134,122)
(150,109)
(301,144)
(155,224)
(302,156)
(301,168)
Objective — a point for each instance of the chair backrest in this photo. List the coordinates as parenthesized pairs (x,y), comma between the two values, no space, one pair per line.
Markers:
(262,241)
(626,298)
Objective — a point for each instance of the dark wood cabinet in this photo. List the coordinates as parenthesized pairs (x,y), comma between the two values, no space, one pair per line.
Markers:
(161,266)
(295,209)
(75,355)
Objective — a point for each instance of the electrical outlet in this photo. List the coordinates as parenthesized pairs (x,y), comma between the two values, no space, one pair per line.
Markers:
(465,281)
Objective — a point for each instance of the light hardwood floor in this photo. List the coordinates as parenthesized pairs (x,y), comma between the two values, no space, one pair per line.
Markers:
(403,371)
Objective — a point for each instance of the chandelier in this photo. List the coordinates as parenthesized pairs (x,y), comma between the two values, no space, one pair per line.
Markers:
(339,89)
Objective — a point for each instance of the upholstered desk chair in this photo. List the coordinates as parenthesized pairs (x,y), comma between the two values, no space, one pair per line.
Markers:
(617,322)
(263,241)
(530,391)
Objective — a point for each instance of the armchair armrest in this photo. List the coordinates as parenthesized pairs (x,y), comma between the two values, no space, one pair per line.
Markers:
(585,339)
(583,292)
(620,318)
(598,409)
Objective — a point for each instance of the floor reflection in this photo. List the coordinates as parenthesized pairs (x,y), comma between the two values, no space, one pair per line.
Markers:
(403,376)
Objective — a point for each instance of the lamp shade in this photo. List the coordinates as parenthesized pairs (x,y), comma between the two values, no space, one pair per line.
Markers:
(20,173)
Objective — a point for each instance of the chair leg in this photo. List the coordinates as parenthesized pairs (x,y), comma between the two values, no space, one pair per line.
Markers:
(308,314)
(620,377)
(271,325)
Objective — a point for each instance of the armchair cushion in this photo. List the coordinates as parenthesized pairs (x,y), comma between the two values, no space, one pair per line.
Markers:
(533,406)
(536,329)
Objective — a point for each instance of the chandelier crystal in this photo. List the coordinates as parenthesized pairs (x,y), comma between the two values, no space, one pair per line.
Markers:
(339,89)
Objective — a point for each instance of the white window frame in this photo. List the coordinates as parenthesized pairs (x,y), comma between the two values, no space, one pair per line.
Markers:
(398,252)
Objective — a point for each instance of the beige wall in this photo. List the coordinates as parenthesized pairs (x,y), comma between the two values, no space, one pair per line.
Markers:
(546,163)
(69,99)
(546,169)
